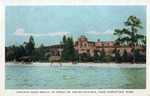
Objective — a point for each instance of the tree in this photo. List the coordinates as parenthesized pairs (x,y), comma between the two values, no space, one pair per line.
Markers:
(54,52)
(144,43)
(125,56)
(114,51)
(63,40)
(68,49)
(102,55)
(129,35)
(22,50)
(39,53)
(84,57)
(108,58)
(15,52)
(96,56)
(30,45)
(117,57)
(138,57)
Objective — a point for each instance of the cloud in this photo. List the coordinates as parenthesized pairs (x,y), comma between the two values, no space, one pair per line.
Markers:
(105,32)
(21,32)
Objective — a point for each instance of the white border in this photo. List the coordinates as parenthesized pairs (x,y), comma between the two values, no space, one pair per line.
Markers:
(3,92)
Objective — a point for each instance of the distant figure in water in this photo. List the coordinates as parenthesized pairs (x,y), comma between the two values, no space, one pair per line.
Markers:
(51,63)
(60,63)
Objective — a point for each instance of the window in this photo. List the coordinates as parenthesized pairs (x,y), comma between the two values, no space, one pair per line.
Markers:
(82,49)
(88,51)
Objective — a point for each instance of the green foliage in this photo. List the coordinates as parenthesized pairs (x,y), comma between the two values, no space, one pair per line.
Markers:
(138,57)
(76,43)
(84,57)
(117,57)
(40,53)
(125,56)
(108,58)
(129,35)
(144,43)
(41,50)
(64,40)
(102,55)
(68,49)
(54,52)
(96,56)
(27,49)
(30,46)
(114,51)
(18,51)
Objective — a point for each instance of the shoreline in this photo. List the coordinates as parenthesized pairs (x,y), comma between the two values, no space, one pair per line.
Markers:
(102,65)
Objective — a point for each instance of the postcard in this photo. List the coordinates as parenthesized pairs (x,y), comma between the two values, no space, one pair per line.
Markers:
(75,48)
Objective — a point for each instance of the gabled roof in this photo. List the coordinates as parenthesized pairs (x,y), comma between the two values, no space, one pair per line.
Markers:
(54,58)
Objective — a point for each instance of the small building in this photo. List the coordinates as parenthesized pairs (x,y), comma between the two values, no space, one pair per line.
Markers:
(55,58)
(25,59)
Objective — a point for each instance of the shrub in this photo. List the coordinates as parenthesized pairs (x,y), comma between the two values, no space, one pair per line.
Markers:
(117,57)
(125,56)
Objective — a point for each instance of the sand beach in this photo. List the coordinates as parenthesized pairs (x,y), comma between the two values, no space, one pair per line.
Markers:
(103,65)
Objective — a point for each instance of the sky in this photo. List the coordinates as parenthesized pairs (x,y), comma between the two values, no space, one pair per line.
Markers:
(48,24)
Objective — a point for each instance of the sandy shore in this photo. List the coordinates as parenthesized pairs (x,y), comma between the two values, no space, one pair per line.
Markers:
(103,65)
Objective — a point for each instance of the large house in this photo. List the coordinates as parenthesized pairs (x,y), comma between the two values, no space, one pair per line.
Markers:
(89,47)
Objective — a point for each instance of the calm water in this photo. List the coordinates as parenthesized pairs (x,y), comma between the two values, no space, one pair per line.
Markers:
(74,78)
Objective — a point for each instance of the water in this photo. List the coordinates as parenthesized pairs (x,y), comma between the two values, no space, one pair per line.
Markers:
(38,77)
